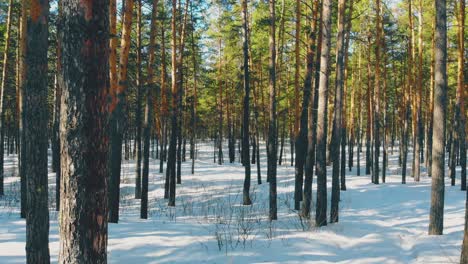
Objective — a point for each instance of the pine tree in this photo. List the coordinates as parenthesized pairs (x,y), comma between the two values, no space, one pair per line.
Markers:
(84,131)
(436,217)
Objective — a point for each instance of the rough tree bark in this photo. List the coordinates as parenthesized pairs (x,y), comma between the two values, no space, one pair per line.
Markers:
(436,217)
(35,116)
(84,131)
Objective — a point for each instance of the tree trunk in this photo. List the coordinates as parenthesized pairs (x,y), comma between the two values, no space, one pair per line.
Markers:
(84,132)
(117,119)
(194,102)
(321,211)
(436,217)
(308,92)
(369,112)
(300,136)
(148,113)
(245,121)
(35,116)
(164,107)
(220,111)
(337,115)
(376,121)
(272,137)
(20,94)
(3,87)
(171,162)
(464,252)
(138,123)
(460,104)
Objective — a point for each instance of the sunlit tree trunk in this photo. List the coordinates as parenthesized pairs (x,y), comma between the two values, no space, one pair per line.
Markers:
(117,119)
(321,209)
(299,130)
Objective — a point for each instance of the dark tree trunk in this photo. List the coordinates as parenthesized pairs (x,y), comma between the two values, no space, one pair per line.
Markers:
(2,90)
(453,150)
(117,122)
(84,131)
(56,141)
(171,162)
(464,252)
(35,116)
(283,134)
(321,209)
(436,217)
(20,95)
(164,110)
(460,105)
(148,114)
(302,139)
(313,116)
(139,96)
(245,121)
(272,137)
(337,115)
(376,106)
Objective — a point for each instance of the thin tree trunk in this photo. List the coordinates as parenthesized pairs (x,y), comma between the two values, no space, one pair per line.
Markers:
(461,91)
(272,137)
(220,111)
(171,162)
(5,66)
(300,136)
(321,212)
(138,123)
(376,131)
(245,123)
(20,94)
(337,115)
(310,93)
(194,100)
(117,119)
(148,112)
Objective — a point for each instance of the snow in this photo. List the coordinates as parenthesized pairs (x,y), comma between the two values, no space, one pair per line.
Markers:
(384,223)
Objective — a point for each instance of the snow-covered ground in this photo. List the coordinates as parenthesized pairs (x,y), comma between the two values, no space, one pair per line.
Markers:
(384,223)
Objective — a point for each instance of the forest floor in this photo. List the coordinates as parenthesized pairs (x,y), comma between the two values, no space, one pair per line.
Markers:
(384,223)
